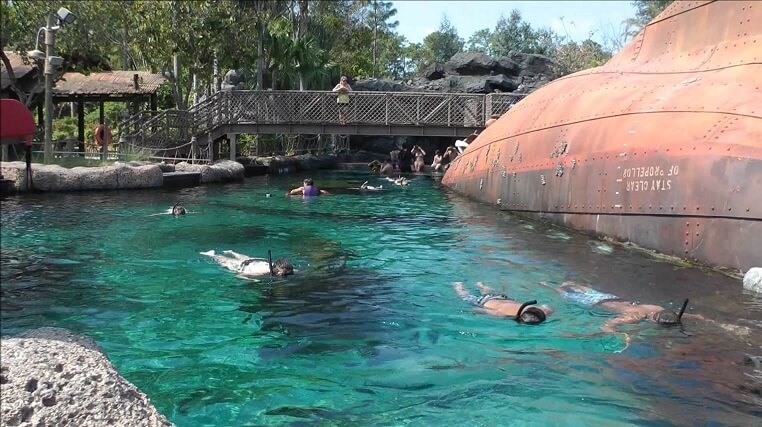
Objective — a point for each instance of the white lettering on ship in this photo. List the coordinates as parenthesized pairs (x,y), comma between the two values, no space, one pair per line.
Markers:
(660,179)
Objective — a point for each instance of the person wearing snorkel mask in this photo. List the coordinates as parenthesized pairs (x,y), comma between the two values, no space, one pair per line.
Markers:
(628,312)
(501,305)
(247,266)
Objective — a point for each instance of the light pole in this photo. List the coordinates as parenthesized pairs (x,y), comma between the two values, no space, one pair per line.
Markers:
(51,61)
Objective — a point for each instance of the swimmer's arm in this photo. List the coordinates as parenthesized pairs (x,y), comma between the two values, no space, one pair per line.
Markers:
(324,192)
(610,325)
(694,316)
(295,191)
(549,286)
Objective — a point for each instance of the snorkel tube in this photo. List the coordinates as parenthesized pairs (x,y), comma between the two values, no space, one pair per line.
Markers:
(270,261)
(682,310)
(521,309)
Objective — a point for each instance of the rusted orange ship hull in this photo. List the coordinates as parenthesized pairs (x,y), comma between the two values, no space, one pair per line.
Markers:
(662,146)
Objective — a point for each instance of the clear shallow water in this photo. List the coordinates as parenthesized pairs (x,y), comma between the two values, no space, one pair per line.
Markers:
(369,331)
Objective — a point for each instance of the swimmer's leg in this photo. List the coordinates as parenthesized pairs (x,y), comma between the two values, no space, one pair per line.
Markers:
(484,289)
(236,255)
(460,290)
(464,294)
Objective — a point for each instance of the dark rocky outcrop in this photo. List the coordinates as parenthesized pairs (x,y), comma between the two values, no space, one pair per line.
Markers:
(468,72)
(288,164)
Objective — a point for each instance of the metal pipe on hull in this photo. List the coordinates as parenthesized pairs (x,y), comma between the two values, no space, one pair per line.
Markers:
(662,146)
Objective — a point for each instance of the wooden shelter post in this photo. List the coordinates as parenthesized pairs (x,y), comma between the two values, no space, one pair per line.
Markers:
(81,124)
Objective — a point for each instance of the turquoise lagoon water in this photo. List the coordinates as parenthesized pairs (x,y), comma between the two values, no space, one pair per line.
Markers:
(369,331)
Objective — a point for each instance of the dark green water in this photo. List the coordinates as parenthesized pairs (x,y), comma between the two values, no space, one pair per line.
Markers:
(369,331)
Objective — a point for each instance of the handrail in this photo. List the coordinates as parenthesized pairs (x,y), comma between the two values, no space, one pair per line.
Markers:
(259,107)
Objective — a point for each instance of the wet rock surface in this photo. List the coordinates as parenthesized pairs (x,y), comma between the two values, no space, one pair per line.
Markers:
(51,376)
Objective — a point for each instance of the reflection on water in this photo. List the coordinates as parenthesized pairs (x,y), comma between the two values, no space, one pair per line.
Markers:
(369,331)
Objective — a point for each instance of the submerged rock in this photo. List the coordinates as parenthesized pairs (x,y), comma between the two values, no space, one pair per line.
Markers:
(752,280)
(51,376)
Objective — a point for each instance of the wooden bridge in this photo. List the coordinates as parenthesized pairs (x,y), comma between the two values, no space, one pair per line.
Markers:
(180,134)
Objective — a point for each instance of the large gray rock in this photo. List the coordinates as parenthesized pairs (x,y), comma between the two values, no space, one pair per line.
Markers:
(52,377)
(471,64)
(532,64)
(469,72)
(752,280)
(381,85)
(478,84)
(434,72)
(221,171)
(57,178)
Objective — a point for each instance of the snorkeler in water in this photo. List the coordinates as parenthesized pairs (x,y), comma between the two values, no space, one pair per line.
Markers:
(490,302)
(247,266)
(628,312)
(178,210)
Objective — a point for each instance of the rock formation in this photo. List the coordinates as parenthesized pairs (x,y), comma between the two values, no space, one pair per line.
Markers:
(57,178)
(50,376)
(474,73)
(220,171)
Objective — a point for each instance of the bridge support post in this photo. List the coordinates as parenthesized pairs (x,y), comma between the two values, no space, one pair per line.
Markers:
(232,138)
(210,147)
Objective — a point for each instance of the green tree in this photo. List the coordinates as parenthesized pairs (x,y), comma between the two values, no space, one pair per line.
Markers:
(442,44)
(379,15)
(571,57)
(480,41)
(513,34)
(645,12)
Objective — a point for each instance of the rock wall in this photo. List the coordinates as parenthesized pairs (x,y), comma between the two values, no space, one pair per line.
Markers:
(57,178)
(52,377)
(117,177)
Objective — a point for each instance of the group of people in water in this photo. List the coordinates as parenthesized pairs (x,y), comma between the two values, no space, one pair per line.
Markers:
(488,301)
(412,159)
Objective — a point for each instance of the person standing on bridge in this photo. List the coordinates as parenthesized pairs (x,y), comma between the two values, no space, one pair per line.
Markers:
(342,99)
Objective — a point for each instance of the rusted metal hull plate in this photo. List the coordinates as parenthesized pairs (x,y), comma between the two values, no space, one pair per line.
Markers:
(670,160)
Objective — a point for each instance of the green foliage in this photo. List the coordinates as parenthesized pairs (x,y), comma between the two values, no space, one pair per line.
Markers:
(286,44)
(645,12)
(571,57)
(442,44)
(65,128)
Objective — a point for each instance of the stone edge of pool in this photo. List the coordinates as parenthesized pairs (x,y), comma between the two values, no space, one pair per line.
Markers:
(141,175)
(52,374)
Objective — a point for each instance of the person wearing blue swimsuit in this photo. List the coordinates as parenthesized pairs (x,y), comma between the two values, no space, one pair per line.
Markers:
(628,311)
(307,190)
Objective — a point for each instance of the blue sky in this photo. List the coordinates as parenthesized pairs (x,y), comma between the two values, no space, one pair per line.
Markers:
(419,18)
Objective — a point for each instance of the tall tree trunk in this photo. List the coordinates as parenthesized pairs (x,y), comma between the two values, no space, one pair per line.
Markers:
(176,83)
(260,53)
(375,27)
(301,31)
(125,59)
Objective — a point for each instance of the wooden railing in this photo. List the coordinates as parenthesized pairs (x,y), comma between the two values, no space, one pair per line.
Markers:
(412,109)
